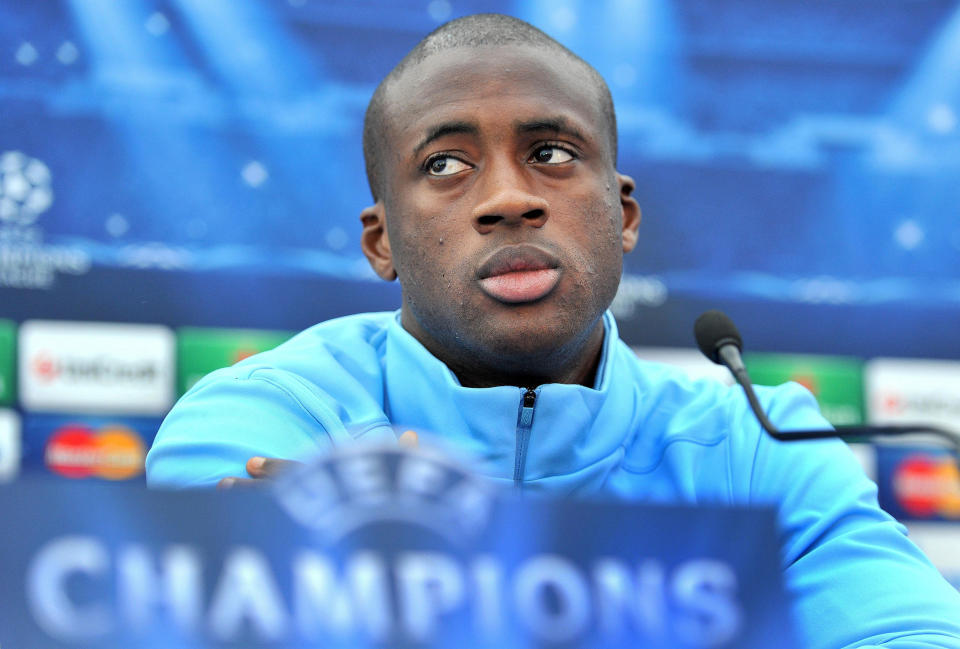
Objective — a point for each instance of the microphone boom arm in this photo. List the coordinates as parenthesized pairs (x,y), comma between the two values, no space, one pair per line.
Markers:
(854,431)
(718,339)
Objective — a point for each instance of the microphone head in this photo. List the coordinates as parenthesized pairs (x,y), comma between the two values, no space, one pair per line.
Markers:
(713,329)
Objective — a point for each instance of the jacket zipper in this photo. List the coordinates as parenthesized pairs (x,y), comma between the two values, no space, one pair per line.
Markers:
(524,424)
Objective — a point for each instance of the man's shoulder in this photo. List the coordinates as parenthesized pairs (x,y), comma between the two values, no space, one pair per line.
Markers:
(701,409)
(337,352)
(669,386)
(319,387)
(351,339)
(676,387)
(704,429)
(345,331)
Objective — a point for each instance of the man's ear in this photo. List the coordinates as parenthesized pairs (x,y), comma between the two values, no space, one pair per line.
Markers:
(630,210)
(375,243)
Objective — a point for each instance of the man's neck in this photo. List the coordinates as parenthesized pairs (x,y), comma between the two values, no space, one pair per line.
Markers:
(472,378)
(575,363)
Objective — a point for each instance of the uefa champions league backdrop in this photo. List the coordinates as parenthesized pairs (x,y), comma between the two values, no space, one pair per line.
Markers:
(181,181)
(198,162)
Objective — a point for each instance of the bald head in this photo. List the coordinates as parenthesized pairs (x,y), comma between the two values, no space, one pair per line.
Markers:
(476,31)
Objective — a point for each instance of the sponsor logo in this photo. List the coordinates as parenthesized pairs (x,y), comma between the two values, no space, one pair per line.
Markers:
(836,382)
(837,413)
(102,369)
(892,404)
(45,367)
(244,353)
(914,391)
(8,354)
(201,350)
(926,486)
(10,445)
(96,367)
(112,452)
(809,381)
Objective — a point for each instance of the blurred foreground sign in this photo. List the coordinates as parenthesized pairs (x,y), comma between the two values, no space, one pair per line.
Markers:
(375,548)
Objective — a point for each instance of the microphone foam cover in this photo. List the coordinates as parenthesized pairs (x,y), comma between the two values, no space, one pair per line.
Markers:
(713,329)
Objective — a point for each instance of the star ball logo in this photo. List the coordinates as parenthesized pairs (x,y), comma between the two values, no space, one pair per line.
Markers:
(25,190)
(355,487)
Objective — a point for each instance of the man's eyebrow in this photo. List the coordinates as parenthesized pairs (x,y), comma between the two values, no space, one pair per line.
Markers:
(557,125)
(447,128)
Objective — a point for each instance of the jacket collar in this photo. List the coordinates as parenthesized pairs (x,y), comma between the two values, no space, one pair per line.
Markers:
(576,434)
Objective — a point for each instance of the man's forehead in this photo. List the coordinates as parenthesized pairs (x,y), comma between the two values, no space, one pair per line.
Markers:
(460,84)
(537,123)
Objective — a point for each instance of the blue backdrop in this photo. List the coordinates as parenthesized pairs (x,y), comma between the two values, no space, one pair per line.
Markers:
(198,162)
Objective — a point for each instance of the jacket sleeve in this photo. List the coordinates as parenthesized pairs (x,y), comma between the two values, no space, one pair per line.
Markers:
(229,417)
(854,577)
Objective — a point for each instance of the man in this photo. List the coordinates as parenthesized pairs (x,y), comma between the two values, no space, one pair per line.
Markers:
(491,155)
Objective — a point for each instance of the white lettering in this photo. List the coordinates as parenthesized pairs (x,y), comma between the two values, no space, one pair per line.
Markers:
(321,604)
(429,584)
(47,595)
(707,590)
(618,594)
(177,585)
(246,591)
(419,475)
(472,502)
(487,583)
(552,598)
(364,477)
(310,498)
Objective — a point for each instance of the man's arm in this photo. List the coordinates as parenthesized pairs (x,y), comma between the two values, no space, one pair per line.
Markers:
(854,576)
(228,418)
(261,469)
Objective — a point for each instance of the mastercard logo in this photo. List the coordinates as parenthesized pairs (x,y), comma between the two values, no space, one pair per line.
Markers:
(927,486)
(112,452)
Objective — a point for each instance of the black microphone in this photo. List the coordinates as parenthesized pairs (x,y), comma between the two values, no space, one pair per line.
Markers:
(718,339)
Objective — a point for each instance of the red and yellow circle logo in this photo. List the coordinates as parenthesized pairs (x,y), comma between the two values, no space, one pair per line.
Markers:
(113,452)
(927,486)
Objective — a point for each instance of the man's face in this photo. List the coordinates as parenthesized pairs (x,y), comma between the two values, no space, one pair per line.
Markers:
(506,221)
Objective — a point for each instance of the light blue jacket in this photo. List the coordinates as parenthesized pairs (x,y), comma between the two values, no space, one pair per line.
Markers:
(644,432)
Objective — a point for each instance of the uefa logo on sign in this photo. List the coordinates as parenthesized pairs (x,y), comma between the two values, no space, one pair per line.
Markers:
(355,487)
(25,191)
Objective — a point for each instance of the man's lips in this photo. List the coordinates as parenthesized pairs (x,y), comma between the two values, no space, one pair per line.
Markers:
(521,285)
(516,274)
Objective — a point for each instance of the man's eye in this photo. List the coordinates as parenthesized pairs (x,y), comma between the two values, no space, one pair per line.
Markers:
(551,155)
(445,165)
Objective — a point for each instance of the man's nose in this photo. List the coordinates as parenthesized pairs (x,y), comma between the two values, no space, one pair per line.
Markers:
(508,201)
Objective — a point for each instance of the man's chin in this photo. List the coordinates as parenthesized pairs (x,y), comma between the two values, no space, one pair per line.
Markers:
(529,341)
